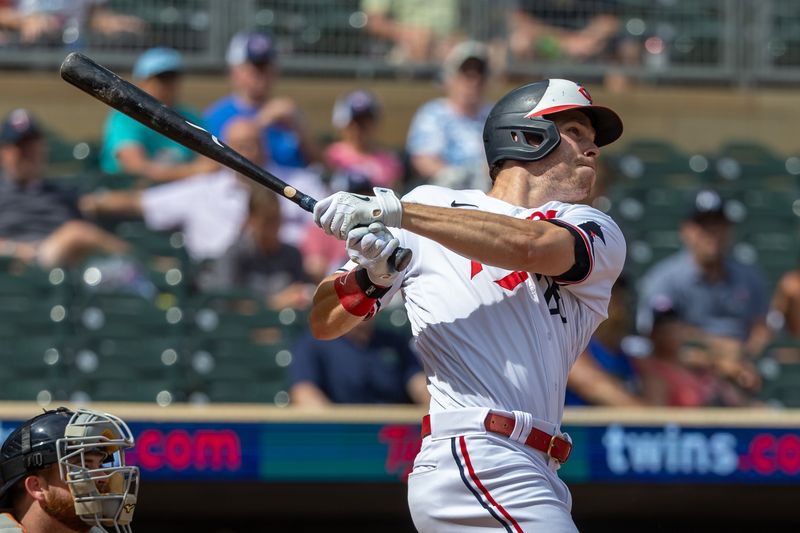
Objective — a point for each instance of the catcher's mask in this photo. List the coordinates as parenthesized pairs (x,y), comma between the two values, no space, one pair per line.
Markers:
(89,449)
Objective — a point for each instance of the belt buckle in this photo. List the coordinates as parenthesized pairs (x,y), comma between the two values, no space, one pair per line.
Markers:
(550,448)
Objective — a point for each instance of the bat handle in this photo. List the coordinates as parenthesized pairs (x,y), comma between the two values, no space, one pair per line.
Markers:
(400,258)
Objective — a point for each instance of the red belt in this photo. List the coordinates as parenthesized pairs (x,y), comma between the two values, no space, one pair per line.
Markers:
(553,445)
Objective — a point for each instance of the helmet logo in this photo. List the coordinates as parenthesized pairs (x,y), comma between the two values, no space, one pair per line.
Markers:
(585,93)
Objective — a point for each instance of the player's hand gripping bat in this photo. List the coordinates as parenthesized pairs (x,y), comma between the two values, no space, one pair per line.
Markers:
(125,97)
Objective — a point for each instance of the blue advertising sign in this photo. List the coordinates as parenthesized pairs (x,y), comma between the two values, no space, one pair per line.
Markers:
(671,453)
(370,452)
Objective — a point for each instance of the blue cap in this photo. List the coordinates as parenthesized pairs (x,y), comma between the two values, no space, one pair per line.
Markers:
(157,61)
(19,125)
(250,47)
(355,104)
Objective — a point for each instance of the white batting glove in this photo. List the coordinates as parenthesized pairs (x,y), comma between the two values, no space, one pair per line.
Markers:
(341,212)
(371,247)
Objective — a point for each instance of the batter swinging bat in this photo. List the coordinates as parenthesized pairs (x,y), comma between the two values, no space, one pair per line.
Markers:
(101,83)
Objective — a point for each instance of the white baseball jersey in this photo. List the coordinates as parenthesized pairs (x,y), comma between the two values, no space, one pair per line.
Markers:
(489,337)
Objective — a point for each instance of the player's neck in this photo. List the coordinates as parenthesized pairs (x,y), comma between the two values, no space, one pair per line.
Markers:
(511,186)
(36,520)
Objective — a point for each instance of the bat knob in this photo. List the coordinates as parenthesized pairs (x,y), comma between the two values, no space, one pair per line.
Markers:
(400,258)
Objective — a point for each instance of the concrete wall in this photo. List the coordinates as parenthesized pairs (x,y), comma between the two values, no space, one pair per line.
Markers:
(697,120)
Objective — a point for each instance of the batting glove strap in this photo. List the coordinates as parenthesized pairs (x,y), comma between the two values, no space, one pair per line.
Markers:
(367,286)
(391,209)
(357,294)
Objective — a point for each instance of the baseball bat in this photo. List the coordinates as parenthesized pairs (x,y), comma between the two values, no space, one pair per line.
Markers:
(104,85)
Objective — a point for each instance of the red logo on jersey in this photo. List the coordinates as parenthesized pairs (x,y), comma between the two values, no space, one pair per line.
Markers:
(512,281)
(585,93)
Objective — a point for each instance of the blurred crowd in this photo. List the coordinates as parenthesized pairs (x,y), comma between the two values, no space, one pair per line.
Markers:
(403,32)
(689,333)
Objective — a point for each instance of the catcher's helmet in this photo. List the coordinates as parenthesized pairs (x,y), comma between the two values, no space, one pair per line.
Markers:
(30,447)
(523,110)
(104,492)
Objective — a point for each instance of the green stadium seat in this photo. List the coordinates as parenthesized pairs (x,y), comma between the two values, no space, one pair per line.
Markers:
(750,164)
(161,391)
(120,315)
(245,391)
(33,357)
(29,390)
(646,162)
(779,366)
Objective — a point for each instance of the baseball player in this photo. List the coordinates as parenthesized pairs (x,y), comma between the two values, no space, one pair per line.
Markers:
(503,293)
(65,472)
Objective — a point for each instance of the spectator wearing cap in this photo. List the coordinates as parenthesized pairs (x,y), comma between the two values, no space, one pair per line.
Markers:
(132,148)
(722,301)
(358,155)
(445,140)
(251,59)
(39,220)
(358,164)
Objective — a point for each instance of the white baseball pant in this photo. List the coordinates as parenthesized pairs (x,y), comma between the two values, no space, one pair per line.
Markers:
(468,480)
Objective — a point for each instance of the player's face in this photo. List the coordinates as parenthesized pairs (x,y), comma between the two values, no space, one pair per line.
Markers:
(57,501)
(254,81)
(24,161)
(707,240)
(569,172)
(245,138)
(468,85)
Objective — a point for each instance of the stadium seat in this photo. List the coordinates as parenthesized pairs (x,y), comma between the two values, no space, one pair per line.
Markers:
(646,162)
(245,391)
(120,315)
(161,391)
(29,390)
(750,164)
(779,366)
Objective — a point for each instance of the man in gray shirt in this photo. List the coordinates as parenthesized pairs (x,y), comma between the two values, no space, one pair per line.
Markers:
(723,303)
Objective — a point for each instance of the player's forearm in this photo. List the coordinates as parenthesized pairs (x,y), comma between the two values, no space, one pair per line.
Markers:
(328,319)
(492,239)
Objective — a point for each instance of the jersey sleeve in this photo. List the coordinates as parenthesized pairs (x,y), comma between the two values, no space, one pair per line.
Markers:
(599,255)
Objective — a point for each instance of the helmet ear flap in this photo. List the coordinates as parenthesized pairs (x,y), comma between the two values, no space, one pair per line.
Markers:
(507,138)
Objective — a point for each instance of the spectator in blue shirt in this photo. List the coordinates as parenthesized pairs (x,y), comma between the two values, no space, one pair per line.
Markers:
(723,302)
(252,63)
(445,140)
(132,148)
(364,366)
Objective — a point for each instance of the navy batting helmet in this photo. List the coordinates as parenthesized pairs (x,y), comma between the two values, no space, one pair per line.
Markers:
(30,447)
(524,110)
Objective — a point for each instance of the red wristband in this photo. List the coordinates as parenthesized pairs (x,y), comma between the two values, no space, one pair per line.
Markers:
(351,296)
